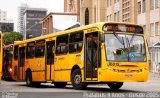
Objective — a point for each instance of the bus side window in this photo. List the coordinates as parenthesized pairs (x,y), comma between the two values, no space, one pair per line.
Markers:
(16,52)
(62,44)
(76,42)
(30,51)
(40,48)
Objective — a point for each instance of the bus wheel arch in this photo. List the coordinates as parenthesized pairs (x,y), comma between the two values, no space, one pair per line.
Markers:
(74,68)
(76,78)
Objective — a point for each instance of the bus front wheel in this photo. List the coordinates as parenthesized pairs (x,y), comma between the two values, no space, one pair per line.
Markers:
(115,85)
(76,79)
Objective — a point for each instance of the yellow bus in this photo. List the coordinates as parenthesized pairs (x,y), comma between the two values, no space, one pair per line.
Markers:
(1,53)
(101,53)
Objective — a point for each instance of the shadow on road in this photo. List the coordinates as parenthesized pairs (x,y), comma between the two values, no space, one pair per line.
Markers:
(88,89)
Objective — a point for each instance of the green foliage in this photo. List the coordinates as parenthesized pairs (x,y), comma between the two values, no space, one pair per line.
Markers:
(11,37)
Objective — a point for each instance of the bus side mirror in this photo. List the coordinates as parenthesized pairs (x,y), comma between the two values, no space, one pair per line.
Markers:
(102,38)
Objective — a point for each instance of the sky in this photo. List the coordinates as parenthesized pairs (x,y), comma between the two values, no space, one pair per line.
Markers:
(11,6)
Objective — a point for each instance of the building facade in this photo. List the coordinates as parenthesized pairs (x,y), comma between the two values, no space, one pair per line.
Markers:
(6,27)
(121,10)
(149,17)
(33,22)
(3,16)
(93,11)
(20,20)
(90,11)
(72,6)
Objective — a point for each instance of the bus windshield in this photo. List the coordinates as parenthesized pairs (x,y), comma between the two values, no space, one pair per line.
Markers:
(125,48)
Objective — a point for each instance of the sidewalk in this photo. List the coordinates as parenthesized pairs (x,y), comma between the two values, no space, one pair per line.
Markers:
(153,75)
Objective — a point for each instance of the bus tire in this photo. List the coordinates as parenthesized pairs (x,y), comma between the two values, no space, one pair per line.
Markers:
(115,85)
(60,84)
(76,79)
(29,79)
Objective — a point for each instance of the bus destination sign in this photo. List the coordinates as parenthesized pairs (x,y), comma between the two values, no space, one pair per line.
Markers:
(123,28)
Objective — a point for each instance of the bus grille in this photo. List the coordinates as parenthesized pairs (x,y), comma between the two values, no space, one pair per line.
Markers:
(128,71)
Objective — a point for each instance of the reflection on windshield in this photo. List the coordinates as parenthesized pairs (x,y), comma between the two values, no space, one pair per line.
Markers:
(122,47)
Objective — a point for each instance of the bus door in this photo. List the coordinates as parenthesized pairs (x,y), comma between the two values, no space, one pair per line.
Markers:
(92,56)
(50,48)
(15,63)
(21,63)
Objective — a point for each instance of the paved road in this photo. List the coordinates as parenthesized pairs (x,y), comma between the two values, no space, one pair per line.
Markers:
(49,91)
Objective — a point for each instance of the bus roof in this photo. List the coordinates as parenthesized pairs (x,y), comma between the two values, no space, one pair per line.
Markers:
(97,25)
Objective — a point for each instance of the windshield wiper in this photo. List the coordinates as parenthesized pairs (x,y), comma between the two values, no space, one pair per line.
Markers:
(132,38)
(128,45)
(121,41)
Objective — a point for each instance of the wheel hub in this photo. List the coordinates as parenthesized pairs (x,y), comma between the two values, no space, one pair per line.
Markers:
(77,79)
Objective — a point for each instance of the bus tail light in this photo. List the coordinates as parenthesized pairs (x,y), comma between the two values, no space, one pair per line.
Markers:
(10,69)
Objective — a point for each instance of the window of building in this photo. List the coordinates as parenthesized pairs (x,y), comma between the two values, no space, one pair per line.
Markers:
(153,56)
(40,48)
(157,28)
(143,6)
(16,52)
(151,4)
(62,44)
(31,15)
(115,16)
(110,17)
(118,15)
(139,7)
(157,3)
(115,1)
(86,16)
(76,42)
(152,29)
(144,29)
(30,52)
(107,18)
(95,13)
(110,2)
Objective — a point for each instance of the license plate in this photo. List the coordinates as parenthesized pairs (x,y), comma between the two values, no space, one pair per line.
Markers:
(128,76)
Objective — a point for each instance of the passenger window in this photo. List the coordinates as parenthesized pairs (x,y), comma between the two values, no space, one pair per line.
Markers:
(76,42)
(30,52)
(40,48)
(16,52)
(62,44)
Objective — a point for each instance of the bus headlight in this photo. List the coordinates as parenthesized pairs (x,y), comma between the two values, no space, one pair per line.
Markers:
(144,69)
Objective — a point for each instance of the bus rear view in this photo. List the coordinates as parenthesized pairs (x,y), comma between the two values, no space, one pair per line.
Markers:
(125,54)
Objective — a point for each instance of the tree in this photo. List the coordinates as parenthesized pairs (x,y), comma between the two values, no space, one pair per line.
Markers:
(11,37)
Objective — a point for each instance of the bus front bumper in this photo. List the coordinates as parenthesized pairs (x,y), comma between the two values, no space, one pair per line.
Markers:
(111,76)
